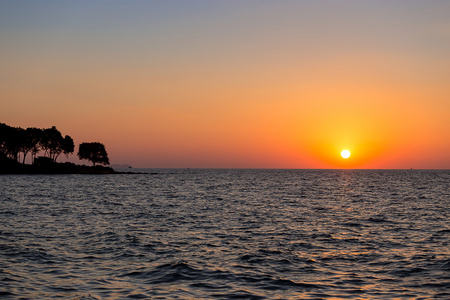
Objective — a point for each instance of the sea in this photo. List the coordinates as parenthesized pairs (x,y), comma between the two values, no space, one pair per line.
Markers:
(226,234)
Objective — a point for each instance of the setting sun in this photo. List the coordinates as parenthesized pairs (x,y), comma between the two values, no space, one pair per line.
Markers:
(345,154)
(286,84)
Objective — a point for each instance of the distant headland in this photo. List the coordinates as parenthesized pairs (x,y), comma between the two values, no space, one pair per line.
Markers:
(121,166)
(44,147)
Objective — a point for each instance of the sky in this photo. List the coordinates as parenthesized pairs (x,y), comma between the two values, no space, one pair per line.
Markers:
(234,84)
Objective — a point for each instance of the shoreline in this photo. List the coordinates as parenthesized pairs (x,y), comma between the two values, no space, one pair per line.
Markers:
(11,167)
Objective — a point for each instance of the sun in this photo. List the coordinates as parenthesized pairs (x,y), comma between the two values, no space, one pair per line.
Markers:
(345,154)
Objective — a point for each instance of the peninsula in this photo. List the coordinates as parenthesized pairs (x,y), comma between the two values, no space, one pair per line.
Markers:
(44,147)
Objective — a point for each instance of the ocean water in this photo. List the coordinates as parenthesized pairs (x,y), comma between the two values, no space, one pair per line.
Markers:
(226,234)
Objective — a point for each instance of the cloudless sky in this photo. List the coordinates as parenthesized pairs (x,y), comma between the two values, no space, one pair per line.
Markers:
(234,84)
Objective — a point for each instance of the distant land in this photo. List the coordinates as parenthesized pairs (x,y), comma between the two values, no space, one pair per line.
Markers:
(45,145)
(46,166)
(121,166)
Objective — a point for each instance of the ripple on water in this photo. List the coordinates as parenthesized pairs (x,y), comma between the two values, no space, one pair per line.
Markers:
(237,234)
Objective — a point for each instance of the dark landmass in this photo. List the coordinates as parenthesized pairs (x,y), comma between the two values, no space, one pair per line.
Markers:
(16,143)
(121,166)
(47,166)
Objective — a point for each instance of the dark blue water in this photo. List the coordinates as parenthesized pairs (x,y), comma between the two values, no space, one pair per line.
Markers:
(226,234)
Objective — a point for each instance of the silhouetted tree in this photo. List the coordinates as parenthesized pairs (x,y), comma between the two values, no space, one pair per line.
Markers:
(36,136)
(54,144)
(95,152)
(28,141)
(49,141)
(11,140)
(68,145)
(15,141)
(11,137)
(4,132)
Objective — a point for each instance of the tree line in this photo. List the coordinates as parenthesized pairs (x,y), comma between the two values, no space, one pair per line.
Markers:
(16,143)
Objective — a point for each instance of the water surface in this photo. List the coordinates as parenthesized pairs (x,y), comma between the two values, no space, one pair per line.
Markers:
(240,234)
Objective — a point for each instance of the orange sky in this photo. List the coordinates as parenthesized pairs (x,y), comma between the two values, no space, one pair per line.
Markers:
(277,84)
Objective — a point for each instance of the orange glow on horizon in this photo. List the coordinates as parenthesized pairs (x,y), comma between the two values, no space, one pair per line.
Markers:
(286,91)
